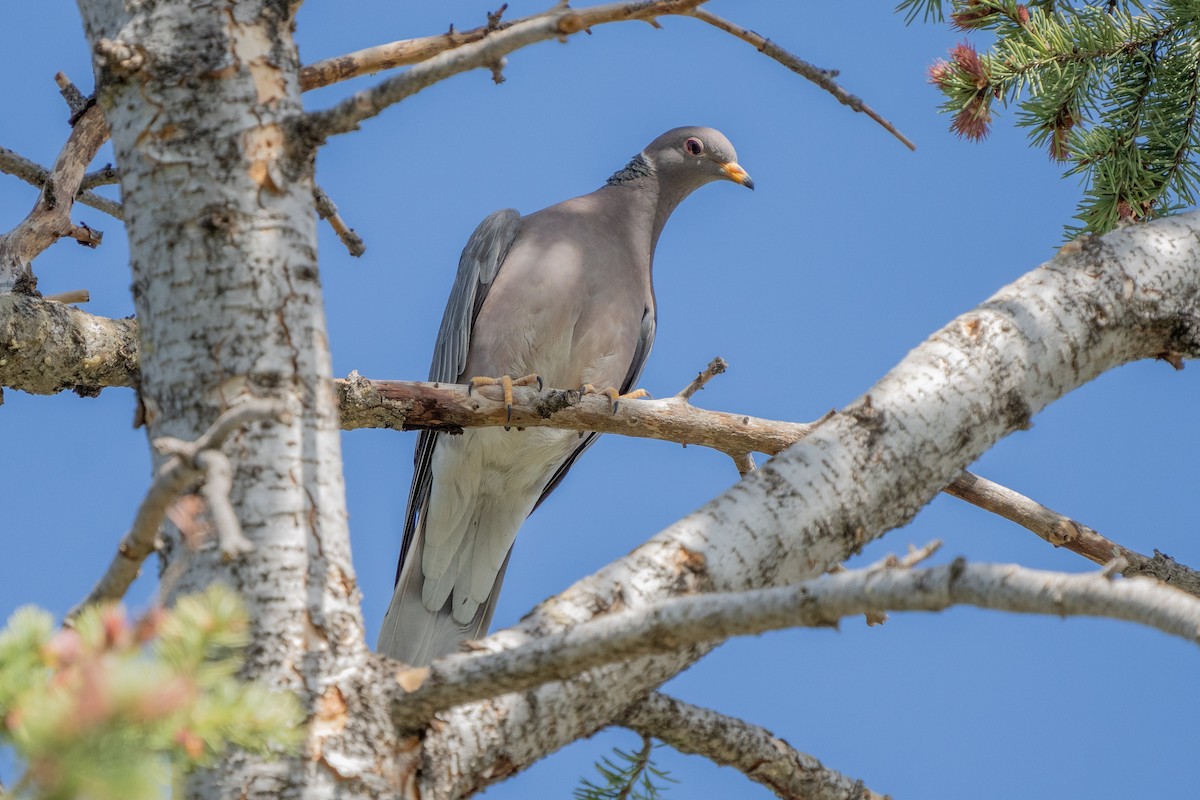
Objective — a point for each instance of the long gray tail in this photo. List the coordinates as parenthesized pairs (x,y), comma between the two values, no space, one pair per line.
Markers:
(416,635)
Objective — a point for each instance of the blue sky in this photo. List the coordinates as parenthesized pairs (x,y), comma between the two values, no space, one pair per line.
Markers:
(851,251)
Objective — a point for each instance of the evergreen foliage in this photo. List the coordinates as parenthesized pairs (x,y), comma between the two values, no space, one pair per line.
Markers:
(631,779)
(108,708)
(1111,87)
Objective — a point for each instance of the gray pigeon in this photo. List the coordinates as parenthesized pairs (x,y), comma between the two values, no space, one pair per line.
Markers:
(563,296)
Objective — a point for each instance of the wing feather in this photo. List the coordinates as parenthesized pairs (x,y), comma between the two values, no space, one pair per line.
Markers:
(478,266)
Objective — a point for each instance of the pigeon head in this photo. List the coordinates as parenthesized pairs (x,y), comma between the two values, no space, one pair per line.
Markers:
(690,157)
(676,164)
(684,159)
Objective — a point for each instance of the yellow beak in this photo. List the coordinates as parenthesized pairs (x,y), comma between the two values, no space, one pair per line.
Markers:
(735,173)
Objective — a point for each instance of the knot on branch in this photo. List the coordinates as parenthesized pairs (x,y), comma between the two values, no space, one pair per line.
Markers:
(120,58)
(570,23)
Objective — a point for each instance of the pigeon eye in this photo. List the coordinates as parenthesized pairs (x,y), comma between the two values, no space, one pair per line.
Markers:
(694,146)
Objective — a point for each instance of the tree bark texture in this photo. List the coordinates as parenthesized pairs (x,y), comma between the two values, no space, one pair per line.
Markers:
(221,231)
(1101,303)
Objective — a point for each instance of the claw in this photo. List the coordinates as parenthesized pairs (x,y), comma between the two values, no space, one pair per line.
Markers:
(613,395)
(506,384)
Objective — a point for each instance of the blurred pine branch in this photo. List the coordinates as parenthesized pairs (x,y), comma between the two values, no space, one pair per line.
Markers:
(111,708)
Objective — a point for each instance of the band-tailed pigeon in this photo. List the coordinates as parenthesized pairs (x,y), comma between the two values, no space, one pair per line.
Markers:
(562,296)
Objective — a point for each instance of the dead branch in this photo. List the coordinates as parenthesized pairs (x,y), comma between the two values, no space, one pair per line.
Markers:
(755,752)
(680,622)
(190,463)
(50,218)
(48,347)
(406,52)
(35,174)
(406,405)
(555,23)
(328,210)
(715,367)
(821,77)
(484,52)
(1065,532)
(76,101)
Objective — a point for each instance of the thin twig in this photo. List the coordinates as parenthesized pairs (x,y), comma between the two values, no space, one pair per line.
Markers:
(754,751)
(414,51)
(821,77)
(183,469)
(76,100)
(484,52)
(714,368)
(681,622)
(1062,531)
(218,483)
(50,218)
(35,174)
(328,210)
(105,176)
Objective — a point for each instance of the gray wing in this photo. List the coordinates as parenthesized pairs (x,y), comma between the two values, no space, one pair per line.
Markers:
(640,354)
(477,268)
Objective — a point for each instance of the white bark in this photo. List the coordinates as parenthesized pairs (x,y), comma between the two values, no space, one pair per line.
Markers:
(1132,294)
(222,238)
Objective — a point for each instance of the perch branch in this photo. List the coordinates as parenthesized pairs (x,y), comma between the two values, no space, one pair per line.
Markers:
(47,348)
(680,622)
(755,752)
(73,296)
(407,404)
(189,463)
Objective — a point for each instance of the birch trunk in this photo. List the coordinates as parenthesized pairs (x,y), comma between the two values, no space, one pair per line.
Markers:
(225,282)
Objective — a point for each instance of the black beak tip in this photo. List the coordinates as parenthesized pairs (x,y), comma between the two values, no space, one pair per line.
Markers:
(748,182)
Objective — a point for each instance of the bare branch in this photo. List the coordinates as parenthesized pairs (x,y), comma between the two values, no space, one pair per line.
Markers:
(755,752)
(218,483)
(50,218)
(328,210)
(1062,531)
(188,464)
(483,52)
(48,347)
(76,101)
(714,368)
(414,51)
(409,404)
(821,77)
(681,622)
(35,175)
(105,176)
